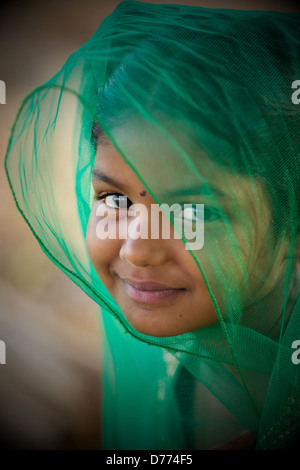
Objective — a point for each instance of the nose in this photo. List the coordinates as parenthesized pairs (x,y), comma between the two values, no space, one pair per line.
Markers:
(142,252)
(150,245)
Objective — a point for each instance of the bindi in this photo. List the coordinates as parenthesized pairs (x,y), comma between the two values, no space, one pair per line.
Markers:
(143,193)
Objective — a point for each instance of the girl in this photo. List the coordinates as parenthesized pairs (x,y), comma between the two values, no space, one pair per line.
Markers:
(188,107)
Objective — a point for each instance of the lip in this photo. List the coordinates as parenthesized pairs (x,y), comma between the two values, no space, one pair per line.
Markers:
(150,292)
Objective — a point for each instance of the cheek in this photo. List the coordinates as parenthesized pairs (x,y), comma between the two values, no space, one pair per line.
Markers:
(101,252)
(187,262)
(235,264)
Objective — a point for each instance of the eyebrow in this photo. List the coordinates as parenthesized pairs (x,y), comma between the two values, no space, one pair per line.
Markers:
(99,175)
(198,190)
(191,191)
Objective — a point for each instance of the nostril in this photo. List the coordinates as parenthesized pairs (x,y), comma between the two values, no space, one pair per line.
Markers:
(132,261)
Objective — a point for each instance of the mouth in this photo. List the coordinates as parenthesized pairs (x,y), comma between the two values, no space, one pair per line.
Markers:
(150,292)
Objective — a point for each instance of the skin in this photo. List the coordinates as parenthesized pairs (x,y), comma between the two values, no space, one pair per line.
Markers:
(167,261)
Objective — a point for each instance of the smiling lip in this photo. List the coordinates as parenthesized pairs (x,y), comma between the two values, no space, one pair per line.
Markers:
(149,292)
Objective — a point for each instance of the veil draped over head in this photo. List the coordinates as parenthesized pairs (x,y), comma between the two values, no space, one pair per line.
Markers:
(191,98)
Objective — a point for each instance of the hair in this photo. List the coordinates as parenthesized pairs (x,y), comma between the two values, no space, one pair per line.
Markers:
(254,105)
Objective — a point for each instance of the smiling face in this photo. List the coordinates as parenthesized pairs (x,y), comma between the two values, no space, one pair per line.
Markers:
(156,282)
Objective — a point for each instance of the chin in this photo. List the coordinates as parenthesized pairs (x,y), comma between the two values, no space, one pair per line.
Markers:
(150,327)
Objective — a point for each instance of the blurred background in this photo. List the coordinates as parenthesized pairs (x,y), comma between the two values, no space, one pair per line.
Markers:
(50,387)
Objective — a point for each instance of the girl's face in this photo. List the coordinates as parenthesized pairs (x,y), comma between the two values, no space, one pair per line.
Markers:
(156,282)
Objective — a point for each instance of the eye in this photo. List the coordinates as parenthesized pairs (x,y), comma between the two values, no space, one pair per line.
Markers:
(114,201)
(198,213)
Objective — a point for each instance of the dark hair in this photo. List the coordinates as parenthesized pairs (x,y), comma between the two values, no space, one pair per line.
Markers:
(98,134)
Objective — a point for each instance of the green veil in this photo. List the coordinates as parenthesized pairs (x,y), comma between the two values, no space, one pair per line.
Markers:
(200,101)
